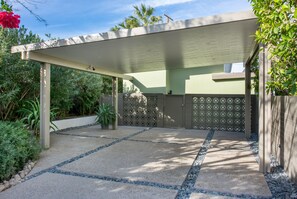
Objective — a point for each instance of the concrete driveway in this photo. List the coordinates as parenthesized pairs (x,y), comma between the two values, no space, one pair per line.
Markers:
(137,162)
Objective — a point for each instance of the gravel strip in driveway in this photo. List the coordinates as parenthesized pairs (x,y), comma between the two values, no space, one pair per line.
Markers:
(190,180)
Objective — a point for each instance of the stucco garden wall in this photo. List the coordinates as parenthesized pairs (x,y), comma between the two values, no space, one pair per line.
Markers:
(75,122)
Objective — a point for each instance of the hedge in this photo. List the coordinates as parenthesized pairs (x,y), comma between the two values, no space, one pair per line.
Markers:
(17,147)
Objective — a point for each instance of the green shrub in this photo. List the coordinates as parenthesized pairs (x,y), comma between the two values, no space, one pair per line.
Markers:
(88,91)
(17,146)
(19,79)
(62,89)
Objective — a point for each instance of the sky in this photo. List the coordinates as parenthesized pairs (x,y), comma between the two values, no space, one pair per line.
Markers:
(68,18)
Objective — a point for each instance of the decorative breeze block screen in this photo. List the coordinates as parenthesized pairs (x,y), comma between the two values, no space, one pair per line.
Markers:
(140,110)
(218,113)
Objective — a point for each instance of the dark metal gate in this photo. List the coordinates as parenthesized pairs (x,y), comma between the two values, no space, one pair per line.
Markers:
(192,111)
(225,113)
(140,110)
(173,111)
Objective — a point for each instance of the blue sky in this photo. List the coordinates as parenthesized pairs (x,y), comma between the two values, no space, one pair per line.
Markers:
(67,18)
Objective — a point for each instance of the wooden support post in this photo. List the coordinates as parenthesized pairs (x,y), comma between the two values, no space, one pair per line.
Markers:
(115,100)
(265,120)
(261,109)
(268,114)
(248,100)
(45,80)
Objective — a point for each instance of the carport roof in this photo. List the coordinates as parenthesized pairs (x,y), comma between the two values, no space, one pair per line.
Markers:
(219,39)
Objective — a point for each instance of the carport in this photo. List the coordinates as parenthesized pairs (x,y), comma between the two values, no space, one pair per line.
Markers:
(220,39)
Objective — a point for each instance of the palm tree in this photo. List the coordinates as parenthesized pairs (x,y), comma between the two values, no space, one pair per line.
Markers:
(115,28)
(130,22)
(143,17)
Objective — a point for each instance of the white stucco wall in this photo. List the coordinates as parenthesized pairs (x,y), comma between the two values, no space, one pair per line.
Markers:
(75,122)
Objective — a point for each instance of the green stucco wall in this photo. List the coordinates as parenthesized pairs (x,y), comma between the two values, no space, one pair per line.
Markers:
(147,82)
(204,84)
(186,81)
(178,77)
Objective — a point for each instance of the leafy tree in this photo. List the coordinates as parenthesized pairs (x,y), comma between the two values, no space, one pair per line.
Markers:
(277,30)
(143,16)
(77,92)
(63,90)
(88,87)
(107,85)
(19,80)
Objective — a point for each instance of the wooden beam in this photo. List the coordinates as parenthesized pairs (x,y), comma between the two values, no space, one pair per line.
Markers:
(70,64)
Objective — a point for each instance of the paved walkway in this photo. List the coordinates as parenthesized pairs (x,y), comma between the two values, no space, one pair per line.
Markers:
(135,162)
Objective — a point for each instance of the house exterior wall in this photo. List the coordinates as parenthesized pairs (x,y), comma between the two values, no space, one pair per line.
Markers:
(184,81)
(204,84)
(180,78)
(147,82)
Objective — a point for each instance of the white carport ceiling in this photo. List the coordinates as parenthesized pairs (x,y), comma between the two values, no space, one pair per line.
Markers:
(219,39)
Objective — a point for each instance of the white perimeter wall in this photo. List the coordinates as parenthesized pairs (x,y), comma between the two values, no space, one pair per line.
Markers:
(75,122)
